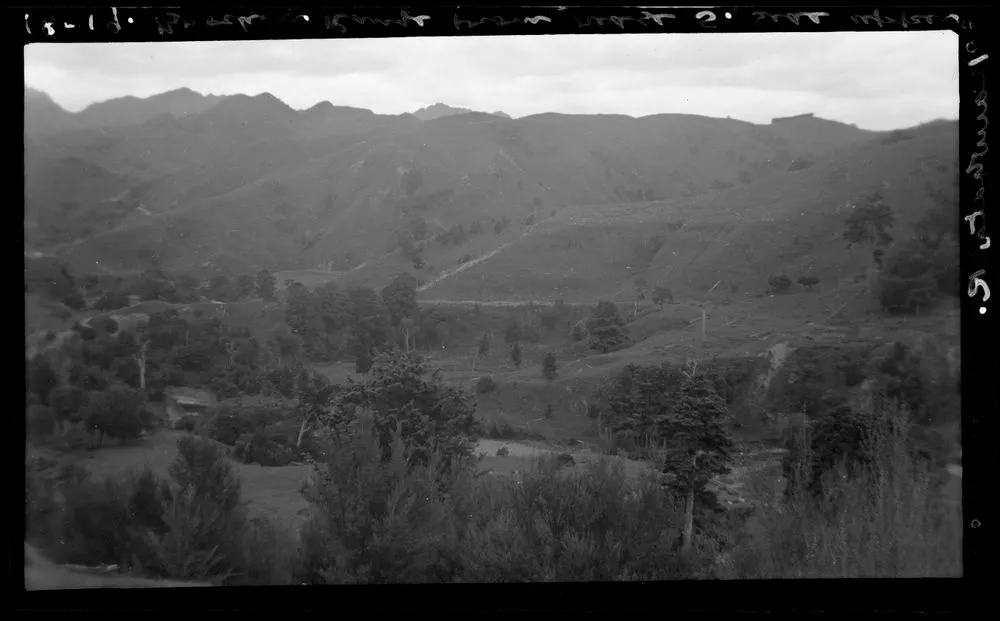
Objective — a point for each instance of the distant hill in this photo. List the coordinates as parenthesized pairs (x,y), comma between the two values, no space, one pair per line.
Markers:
(440,110)
(43,117)
(250,182)
(132,110)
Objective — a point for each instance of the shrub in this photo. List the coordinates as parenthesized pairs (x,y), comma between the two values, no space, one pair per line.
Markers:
(378,519)
(808,281)
(902,521)
(549,366)
(485,384)
(778,284)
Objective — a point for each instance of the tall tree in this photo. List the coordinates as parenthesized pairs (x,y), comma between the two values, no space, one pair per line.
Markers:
(400,297)
(482,348)
(515,355)
(139,355)
(869,223)
(640,295)
(606,328)
(402,393)
(265,285)
(314,392)
(698,445)
(549,366)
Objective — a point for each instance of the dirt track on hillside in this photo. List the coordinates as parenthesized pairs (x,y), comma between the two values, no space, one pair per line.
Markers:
(492,253)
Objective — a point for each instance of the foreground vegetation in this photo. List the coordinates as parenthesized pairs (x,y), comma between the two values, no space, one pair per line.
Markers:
(397,497)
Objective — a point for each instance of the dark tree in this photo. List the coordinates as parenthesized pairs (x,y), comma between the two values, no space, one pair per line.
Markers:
(699,446)
(549,366)
(41,378)
(402,394)
(118,413)
(869,224)
(778,284)
(245,285)
(606,328)
(808,281)
(265,285)
(400,297)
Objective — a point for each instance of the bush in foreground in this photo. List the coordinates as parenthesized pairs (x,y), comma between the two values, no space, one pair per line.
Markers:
(893,517)
(192,527)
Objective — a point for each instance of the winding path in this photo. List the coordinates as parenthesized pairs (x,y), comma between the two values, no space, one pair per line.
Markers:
(461,268)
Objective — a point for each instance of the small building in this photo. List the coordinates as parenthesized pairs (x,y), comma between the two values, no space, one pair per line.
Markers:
(181,401)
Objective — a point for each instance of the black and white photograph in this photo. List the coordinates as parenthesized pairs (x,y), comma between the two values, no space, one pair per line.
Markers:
(646,306)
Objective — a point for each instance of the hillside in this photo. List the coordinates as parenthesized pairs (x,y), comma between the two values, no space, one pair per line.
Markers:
(252,183)
(43,117)
(790,223)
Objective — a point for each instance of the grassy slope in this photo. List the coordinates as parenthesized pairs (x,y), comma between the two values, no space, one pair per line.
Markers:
(469,171)
(790,224)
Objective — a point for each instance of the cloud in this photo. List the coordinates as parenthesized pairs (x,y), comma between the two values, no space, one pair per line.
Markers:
(875,80)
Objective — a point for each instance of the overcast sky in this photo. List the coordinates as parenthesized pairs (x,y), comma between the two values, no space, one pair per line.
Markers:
(875,80)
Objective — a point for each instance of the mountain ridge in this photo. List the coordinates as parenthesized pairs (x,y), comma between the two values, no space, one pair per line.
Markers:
(251,183)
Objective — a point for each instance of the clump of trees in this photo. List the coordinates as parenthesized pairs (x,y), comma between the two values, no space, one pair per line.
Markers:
(331,321)
(679,415)
(921,270)
(808,282)
(779,283)
(402,394)
(395,497)
(607,328)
